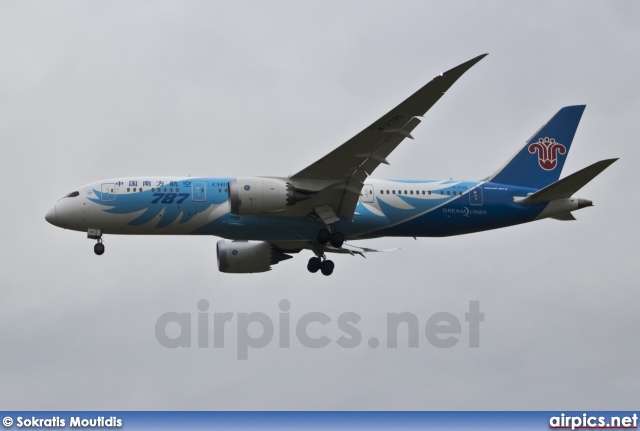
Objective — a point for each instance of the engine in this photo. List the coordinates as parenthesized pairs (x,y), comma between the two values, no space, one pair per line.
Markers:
(243,257)
(256,195)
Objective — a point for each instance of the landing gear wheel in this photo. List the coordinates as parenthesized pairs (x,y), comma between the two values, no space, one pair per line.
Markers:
(314,265)
(327,267)
(98,249)
(337,240)
(324,236)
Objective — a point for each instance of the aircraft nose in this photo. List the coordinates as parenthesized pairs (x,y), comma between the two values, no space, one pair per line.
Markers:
(52,216)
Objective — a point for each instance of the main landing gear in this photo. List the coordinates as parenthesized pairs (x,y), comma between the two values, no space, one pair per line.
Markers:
(320,262)
(335,238)
(325,266)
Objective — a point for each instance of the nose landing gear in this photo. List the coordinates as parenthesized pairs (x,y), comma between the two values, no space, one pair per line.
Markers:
(97,235)
(99,248)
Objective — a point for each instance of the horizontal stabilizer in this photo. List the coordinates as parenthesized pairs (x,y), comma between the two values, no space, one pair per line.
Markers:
(566,187)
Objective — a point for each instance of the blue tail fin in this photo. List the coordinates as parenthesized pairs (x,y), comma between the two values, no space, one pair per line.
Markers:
(539,163)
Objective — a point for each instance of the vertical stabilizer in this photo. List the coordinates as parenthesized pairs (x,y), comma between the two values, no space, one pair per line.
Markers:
(539,163)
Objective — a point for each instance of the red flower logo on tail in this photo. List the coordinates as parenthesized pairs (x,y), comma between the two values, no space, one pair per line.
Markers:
(548,150)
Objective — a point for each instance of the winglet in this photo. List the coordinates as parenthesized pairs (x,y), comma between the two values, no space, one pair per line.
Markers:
(462,68)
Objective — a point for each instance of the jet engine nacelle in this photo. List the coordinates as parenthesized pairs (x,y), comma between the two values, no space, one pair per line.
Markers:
(256,195)
(244,257)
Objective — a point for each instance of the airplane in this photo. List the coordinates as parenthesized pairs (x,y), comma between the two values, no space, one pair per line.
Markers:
(264,220)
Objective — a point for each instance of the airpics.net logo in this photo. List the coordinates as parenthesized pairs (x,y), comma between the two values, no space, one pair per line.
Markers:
(313,330)
(587,421)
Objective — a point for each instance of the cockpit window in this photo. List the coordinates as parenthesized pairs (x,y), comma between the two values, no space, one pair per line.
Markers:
(70,195)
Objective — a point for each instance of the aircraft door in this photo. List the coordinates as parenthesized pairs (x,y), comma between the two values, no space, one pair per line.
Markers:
(475,196)
(366,196)
(199,193)
(108,192)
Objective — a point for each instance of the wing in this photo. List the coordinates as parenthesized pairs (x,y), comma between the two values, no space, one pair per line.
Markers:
(344,170)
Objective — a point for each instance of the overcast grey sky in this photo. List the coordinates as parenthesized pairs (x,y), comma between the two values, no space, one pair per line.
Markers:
(94,90)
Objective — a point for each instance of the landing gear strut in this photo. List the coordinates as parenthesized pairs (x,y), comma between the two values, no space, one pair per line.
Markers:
(320,263)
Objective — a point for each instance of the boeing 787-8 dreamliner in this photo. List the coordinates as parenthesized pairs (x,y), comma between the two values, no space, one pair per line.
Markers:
(266,219)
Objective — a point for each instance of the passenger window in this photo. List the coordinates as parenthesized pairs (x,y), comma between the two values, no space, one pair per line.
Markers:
(128,189)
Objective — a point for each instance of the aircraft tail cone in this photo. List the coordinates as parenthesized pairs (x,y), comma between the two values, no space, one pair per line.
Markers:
(584,203)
